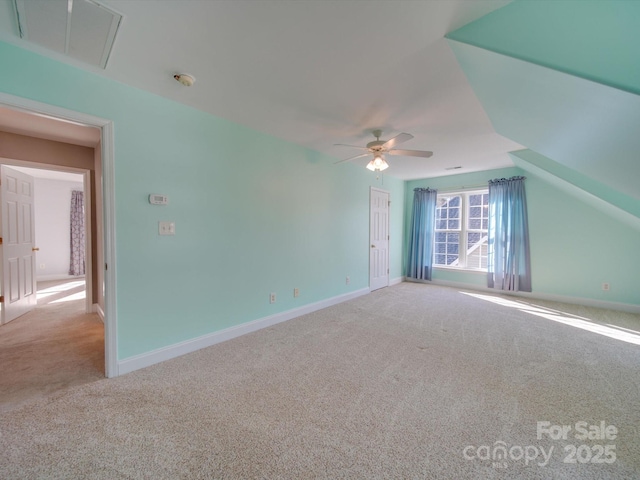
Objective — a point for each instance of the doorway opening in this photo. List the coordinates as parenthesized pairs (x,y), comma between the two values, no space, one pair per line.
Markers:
(50,339)
(25,119)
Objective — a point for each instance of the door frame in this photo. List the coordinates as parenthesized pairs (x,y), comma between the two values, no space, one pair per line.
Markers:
(108,206)
(371,190)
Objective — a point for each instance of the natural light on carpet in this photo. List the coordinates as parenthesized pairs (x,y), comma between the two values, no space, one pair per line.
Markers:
(608,330)
(69,298)
(46,292)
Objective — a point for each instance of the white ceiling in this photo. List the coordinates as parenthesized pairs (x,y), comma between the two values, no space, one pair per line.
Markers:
(312,72)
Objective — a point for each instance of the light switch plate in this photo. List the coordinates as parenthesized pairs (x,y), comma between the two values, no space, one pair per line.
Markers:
(166,228)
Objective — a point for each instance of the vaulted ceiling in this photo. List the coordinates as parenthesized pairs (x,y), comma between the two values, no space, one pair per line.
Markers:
(314,73)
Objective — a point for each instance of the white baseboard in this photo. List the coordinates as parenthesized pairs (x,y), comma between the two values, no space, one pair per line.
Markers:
(182,348)
(46,278)
(587,302)
(396,281)
(98,309)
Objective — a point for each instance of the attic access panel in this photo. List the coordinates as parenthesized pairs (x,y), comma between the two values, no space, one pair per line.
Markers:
(82,29)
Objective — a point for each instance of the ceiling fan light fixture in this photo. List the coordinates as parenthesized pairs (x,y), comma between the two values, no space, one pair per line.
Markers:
(377,164)
(379,148)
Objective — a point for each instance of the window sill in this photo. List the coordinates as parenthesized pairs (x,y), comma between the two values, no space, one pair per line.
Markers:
(460,269)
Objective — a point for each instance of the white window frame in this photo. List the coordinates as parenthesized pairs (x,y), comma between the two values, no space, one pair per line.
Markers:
(463,248)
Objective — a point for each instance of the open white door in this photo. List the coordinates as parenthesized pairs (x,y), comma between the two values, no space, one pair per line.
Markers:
(18,249)
(379,239)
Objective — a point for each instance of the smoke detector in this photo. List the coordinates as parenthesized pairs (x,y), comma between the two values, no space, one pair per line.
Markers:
(185,79)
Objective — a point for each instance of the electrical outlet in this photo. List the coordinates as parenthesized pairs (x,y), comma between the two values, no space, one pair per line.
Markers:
(605,287)
(296,292)
(272,298)
(348,280)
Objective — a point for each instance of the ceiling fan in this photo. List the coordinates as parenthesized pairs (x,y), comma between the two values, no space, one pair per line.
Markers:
(378,148)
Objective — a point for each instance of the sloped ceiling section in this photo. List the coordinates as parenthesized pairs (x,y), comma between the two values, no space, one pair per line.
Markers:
(549,97)
(581,124)
(592,39)
(606,199)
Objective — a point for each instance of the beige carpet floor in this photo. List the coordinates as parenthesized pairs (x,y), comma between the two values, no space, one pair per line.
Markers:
(50,348)
(410,382)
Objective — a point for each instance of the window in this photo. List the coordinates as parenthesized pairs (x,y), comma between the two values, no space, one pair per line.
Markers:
(462,219)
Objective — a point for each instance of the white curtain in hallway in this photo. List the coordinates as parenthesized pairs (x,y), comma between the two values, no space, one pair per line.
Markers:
(76,264)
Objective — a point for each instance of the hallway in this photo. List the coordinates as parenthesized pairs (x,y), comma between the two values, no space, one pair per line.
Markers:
(55,346)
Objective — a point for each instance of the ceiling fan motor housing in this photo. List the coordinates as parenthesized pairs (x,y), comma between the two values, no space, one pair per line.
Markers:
(376,145)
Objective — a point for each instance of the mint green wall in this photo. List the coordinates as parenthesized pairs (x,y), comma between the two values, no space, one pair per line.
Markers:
(592,39)
(253,214)
(574,247)
(397,225)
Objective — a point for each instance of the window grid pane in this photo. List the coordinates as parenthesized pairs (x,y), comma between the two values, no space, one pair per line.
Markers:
(448,226)
(461,230)
(478,218)
(477,250)
(447,247)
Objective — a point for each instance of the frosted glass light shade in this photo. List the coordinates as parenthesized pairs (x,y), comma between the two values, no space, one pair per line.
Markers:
(378,164)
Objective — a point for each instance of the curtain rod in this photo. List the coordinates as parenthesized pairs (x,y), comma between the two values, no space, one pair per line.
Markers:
(464,187)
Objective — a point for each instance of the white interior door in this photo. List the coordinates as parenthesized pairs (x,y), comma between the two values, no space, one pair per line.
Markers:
(18,250)
(379,239)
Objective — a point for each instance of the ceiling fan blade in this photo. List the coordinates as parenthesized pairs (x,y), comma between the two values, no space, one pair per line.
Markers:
(352,158)
(352,146)
(410,153)
(403,137)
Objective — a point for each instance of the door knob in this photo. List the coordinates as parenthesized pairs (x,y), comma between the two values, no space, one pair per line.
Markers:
(373,246)
(35,249)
